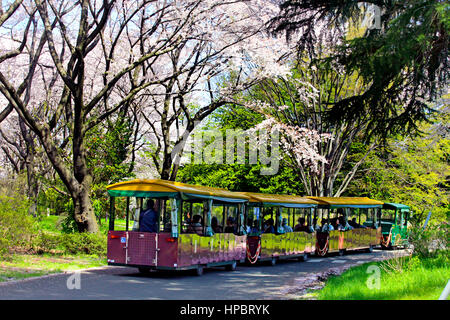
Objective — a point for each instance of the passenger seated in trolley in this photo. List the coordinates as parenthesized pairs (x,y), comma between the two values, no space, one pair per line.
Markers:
(268,226)
(301,226)
(338,225)
(215,225)
(326,226)
(354,224)
(255,227)
(347,226)
(249,225)
(315,226)
(196,225)
(286,227)
(148,218)
(230,228)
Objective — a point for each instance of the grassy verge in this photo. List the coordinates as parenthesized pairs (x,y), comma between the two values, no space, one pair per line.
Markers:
(408,278)
(55,251)
(21,266)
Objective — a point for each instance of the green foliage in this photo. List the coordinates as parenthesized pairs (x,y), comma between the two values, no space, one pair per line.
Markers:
(16,225)
(21,266)
(49,223)
(19,231)
(45,242)
(414,171)
(240,177)
(51,201)
(411,278)
(108,149)
(66,221)
(70,243)
(89,243)
(431,241)
(58,235)
(403,60)
(236,117)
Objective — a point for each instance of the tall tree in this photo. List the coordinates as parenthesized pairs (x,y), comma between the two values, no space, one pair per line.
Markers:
(226,40)
(19,145)
(85,59)
(298,107)
(402,58)
(413,170)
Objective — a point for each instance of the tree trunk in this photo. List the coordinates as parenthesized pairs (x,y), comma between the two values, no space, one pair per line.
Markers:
(81,194)
(29,155)
(83,211)
(166,167)
(33,188)
(77,180)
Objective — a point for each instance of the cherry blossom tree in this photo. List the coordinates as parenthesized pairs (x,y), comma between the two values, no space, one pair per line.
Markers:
(224,50)
(66,67)
(316,148)
(20,148)
(75,88)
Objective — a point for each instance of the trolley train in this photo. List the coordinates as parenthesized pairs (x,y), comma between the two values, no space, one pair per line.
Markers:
(178,226)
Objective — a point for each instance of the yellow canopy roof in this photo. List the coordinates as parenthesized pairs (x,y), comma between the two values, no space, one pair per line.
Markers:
(142,187)
(279,198)
(347,201)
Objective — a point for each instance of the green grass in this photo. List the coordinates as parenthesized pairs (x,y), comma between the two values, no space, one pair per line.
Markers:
(10,275)
(48,223)
(20,266)
(411,279)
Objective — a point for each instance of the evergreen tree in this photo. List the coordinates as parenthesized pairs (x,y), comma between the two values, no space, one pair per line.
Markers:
(402,57)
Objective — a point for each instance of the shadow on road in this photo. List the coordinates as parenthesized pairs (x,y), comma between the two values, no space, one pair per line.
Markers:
(258,282)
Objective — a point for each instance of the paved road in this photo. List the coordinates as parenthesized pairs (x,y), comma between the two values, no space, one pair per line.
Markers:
(255,282)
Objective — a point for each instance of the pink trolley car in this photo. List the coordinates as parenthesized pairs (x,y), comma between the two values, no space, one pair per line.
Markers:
(174,246)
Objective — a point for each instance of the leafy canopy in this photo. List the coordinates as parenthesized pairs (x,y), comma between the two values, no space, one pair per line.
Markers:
(403,58)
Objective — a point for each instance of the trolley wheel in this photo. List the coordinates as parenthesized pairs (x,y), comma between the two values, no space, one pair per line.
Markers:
(144,270)
(231,266)
(304,257)
(199,270)
(273,261)
(341,252)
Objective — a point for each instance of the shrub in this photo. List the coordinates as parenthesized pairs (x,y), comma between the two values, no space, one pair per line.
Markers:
(429,242)
(46,242)
(71,243)
(66,222)
(397,264)
(89,243)
(17,227)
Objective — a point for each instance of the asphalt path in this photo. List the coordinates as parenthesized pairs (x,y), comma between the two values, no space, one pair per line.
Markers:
(123,283)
